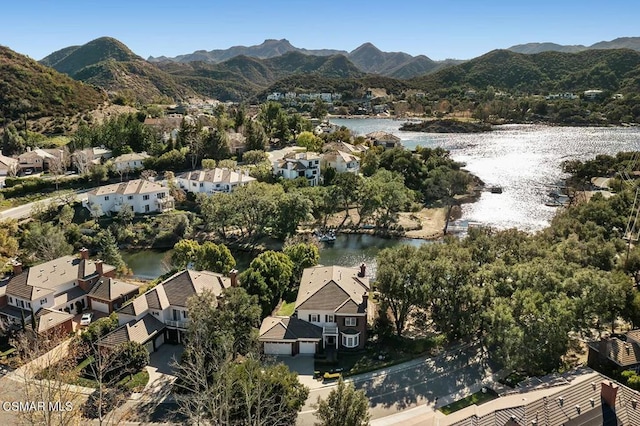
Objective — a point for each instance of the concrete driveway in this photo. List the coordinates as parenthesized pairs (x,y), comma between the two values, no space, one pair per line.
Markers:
(161,374)
(303,365)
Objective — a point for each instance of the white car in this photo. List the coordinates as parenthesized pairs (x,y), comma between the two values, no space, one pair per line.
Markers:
(86,318)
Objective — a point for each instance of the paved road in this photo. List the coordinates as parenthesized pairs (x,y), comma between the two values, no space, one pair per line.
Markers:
(24,211)
(413,384)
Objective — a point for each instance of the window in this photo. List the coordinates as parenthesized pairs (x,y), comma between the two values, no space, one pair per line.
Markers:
(10,299)
(106,198)
(130,197)
(160,195)
(145,197)
(43,301)
(350,322)
(350,340)
(146,208)
(28,304)
(184,315)
(314,318)
(194,184)
(328,318)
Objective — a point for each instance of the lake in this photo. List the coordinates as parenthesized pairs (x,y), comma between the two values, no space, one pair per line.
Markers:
(348,250)
(523,159)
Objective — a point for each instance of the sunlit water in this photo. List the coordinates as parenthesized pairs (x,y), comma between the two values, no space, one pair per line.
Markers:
(523,159)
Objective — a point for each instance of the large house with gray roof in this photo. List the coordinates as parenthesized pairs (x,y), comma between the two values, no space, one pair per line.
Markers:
(143,197)
(61,285)
(161,314)
(331,311)
(299,165)
(213,181)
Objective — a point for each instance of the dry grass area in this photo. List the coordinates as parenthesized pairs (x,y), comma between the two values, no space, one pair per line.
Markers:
(426,224)
(107,110)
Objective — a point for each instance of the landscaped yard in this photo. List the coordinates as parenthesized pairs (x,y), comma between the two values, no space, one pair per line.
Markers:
(287,309)
(477,398)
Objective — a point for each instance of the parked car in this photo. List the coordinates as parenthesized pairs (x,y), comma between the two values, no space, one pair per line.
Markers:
(86,318)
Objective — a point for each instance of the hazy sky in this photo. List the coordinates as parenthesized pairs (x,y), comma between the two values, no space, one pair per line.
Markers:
(460,29)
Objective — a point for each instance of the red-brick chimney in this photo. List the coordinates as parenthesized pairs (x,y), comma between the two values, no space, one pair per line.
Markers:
(363,270)
(17,268)
(233,275)
(99,269)
(609,393)
(84,253)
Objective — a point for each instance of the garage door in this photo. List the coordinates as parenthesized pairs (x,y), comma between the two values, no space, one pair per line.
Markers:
(149,346)
(307,348)
(99,306)
(277,348)
(159,340)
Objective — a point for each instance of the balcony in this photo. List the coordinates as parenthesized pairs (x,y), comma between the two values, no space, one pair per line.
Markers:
(177,324)
(330,329)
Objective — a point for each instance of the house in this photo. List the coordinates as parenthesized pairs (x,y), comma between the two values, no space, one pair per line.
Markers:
(161,313)
(143,196)
(619,351)
(168,126)
(52,321)
(130,162)
(60,285)
(290,336)
(33,161)
(578,397)
(8,166)
(341,161)
(213,181)
(345,147)
(237,143)
(83,159)
(592,94)
(299,164)
(332,299)
(108,294)
(384,139)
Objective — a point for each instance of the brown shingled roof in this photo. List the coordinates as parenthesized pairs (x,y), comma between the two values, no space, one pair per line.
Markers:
(330,288)
(110,289)
(48,318)
(286,328)
(140,331)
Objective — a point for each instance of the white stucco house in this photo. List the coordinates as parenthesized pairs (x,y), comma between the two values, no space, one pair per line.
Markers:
(130,162)
(143,196)
(213,181)
(341,161)
(299,164)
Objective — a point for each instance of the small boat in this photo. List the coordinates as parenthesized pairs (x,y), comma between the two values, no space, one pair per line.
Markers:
(554,203)
(496,190)
(326,237)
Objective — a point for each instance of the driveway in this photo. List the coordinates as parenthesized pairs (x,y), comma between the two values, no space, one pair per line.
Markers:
(303,365)
(161,374)
(414,383)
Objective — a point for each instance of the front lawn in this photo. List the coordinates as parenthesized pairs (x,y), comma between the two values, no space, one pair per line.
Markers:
(287,309)
(477,398)
(137,382)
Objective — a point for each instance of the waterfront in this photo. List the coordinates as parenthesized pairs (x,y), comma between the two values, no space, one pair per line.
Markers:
(348,250)
(523,159)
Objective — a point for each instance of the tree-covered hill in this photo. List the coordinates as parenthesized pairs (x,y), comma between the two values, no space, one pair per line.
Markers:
(30,89)
(108,63)
(548,71)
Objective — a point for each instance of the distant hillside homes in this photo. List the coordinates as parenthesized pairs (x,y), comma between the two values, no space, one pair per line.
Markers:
(304,97)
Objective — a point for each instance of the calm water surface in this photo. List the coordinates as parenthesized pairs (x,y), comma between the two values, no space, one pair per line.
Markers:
(348,250)
(523,159)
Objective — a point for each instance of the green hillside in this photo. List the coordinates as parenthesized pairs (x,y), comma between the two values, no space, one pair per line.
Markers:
(547,71)
(27,87)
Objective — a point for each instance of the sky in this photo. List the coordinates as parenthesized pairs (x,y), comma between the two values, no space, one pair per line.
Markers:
(460,29)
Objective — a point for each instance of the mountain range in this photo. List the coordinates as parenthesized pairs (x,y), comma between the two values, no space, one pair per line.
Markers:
(367,58)
(107,65)
(632,43)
